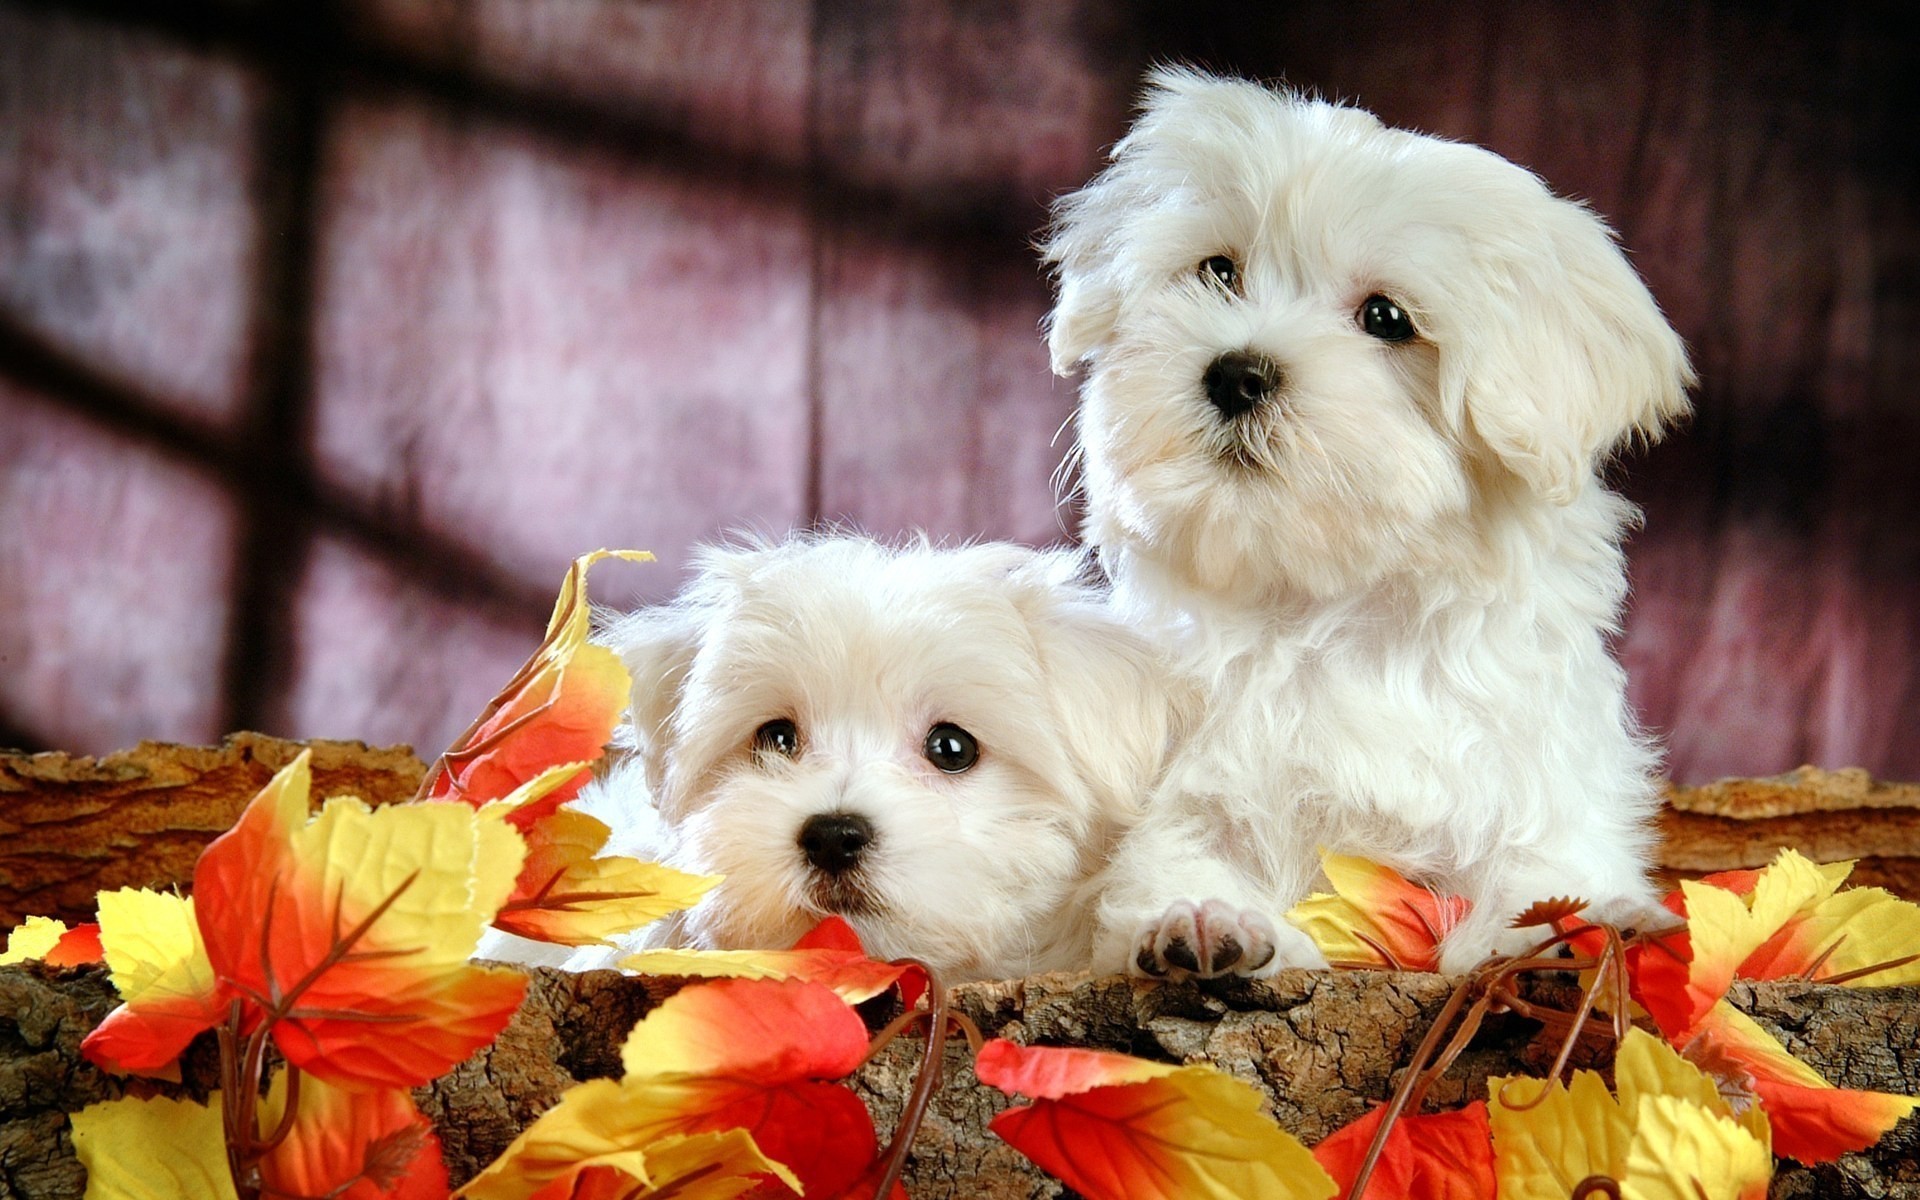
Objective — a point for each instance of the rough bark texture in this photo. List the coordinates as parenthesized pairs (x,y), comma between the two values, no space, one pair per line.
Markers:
(72,826)
(1825,815)
(1321,1046)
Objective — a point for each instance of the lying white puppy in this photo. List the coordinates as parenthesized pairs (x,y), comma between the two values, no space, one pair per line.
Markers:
(1347,389)
(940,746)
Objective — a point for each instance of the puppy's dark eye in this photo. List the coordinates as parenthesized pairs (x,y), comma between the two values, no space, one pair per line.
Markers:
(1385,319)
(951,748)
(780,736)
(1223,271)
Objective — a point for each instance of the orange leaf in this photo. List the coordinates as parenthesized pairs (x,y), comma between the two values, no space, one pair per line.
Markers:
(1113,1126)
(770,1031)
(752,1054)
(77,947)
(829,954)
(1812,1120)
(353,931)
(566,895)
(1789,920)
(151,943)
(351,1145)
(1376,918)
(1434,1156)
(561,707)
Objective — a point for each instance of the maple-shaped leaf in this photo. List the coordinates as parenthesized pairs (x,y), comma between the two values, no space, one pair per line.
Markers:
(745,1054)
(707,1166)
(566,895)
(829,954)
(1375,917)
(1669,1134)
(1544,1145)
(51,942)
(352,931)
(1432,1156)
(350,1145)
(168,990)
(1812,1121)
(1647,1066)
(157,1149)
(1787,920)
(561,707)
(1680,1151)
(1110,1125)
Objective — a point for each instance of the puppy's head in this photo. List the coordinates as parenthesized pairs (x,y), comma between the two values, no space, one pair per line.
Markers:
(935,744)
(1316,345)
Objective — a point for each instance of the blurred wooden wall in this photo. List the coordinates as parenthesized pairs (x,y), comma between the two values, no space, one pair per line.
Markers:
(328,335)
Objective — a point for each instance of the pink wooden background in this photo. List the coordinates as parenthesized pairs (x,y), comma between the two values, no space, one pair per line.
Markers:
(328,337)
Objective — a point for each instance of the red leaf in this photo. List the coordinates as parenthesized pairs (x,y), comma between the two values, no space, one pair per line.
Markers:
(1436,1156)
(77,947)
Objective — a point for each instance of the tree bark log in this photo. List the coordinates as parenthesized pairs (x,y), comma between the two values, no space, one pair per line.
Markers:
(1321,1046)
(72,826)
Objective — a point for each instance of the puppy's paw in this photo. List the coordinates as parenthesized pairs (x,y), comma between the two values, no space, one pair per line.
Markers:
(1214,939)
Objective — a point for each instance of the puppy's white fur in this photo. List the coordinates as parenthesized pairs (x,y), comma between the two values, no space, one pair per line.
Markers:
(1395,579)
(986,873)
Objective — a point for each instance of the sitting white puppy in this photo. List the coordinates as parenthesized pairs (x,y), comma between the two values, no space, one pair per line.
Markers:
(941,746)
(1347,391)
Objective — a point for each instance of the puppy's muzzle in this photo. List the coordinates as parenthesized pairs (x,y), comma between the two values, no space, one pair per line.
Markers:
(834,842)
(1240,381)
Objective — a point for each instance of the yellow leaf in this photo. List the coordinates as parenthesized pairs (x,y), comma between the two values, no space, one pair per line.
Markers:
(1647,1066)
(157,1149)
(566,895)
(602,1124)
(152,946)
(1542,1150)
(1375,917)
(1681,1151)
(32,940)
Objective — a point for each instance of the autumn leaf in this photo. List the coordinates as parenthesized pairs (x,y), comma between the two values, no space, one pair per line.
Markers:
(561,707)
(564,894)
(168,990)
(51,942)
(158,1149)
(1109,1125)
(752,1055)
(1376,918)
(1545,1144)
(1432,1156)
(1811,1120)
(352,932)
(351,1145)
(1670,1134)
(830,954)
(1681,1152)
(708,1166)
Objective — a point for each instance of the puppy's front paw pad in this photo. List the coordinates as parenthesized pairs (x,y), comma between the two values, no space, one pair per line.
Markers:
(1206,941)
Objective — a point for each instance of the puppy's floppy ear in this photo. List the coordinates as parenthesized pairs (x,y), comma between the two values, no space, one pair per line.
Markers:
(1079,247)
(1117,705)
(658,646)
(1560,354)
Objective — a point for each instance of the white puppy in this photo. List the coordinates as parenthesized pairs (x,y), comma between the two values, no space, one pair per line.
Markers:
(1347,389)
(939,745)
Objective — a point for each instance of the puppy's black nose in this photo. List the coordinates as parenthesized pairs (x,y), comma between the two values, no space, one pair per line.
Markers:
(1239,381)
(834,841)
